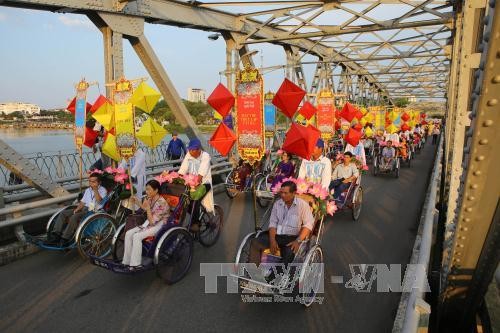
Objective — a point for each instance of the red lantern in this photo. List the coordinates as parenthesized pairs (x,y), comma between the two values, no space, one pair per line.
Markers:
(405,127)
(358,127)
(221,99)
(349,112)
(288,98)
(353,137)
(223,139)
(405,117)
(90,136)
(301,140)
(307,110)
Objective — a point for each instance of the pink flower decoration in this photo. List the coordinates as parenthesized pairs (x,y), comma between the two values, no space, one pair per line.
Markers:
(276,189)
(289,179)
(323,194)
(365,167)
(302,186)
(127,187)
(120,170)
(120,178)
(279,152)
(191,180)
(109,170)
(331,208)
(316,190)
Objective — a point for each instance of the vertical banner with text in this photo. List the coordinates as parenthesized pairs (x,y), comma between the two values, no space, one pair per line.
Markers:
(326,114)
(249,120)
(269,115)
(124,118)
(80,112)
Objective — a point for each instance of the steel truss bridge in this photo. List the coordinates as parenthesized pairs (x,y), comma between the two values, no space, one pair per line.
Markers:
(370,52)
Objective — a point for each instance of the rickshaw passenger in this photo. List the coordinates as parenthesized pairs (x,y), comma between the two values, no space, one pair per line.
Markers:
(388,155)
(285,168)
(290,224)
(343,175)
(358,151)
(70,219)
(319,168)
(403,148)
(157,211)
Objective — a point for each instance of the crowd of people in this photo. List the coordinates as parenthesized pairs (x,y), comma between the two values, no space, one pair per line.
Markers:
(330,164)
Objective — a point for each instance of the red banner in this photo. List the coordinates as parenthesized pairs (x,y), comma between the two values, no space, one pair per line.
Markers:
(249,115)
(326,114)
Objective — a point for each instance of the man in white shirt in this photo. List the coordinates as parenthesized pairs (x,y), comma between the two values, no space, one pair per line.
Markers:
(137,172)
(290,224)
(319,168)
(67,222)
(197,162)
(343,175)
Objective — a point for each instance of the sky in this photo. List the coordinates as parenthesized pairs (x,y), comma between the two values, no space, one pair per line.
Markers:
(43,55)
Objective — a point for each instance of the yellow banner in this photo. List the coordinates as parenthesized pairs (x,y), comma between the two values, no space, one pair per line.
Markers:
(125,133)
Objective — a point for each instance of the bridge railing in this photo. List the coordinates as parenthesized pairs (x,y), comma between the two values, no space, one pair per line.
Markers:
(65,164)
(414,311)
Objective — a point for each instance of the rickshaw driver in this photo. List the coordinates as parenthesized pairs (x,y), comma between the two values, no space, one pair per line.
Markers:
(319,168)
(290,224)
(197,162)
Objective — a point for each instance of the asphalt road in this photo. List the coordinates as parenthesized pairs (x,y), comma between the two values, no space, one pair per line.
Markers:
(57,292)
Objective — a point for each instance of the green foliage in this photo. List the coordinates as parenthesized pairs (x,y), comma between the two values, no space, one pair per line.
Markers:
(401,102)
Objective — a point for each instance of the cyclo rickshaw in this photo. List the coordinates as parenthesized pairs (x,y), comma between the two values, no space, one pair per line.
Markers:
(393,168)
(244,178)
(95,231)
(306,280)
(170,251)
(369,145)
(352,198)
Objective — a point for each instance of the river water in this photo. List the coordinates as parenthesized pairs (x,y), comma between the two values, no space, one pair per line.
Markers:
(28,141)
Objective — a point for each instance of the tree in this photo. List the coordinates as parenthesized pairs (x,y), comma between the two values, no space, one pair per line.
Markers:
(401,102)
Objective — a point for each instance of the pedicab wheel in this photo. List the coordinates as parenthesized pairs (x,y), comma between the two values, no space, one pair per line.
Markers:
(230,190)
(173,255)
(357,201)
(210,227)
(261,186)
(95,234)
(243,255)
(119,243)
(311,276)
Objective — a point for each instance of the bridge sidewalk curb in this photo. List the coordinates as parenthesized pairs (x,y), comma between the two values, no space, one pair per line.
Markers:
(15,251)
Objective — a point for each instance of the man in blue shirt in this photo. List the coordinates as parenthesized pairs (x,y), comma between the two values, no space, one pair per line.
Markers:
(175,148)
